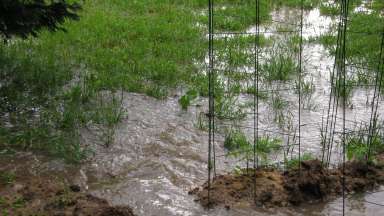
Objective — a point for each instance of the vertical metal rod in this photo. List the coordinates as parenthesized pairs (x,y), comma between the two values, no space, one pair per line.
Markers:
(210,103)
(332,100)
(345,22)
(300,77)
(335,100)
(376,97)
(256,96)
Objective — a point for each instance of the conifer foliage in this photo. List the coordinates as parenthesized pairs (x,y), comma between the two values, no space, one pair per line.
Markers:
(23,18)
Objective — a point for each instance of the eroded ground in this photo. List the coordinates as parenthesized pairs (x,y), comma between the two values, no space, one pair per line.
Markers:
(291,188)
(46,195)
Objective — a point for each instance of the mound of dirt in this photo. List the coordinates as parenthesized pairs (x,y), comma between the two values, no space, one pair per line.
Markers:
(311,183)
(42,196)
(234,190)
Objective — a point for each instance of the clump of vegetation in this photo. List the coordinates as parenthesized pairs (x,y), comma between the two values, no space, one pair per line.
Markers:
(186,99)
(357,145)
(228,108)
(7,177)
(279,66)
(109,113)
(307,89)
(293,163)
(363,41)
(281,113)
(261,94)
(202,121)
(307,4)
(236,15)
(7,206)
(332,8)
(329,9)
(377,5)
(38,96)
(267,145)
(344,91)
(238,146)
(236,140)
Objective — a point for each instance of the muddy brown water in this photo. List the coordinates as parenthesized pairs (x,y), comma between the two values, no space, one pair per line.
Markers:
(159,154)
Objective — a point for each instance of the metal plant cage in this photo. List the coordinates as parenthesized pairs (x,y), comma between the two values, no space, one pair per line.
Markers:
(239,76)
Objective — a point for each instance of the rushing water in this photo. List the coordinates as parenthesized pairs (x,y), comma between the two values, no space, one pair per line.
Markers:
(159,154)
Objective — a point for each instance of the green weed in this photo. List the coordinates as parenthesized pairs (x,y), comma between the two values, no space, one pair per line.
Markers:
(294,162)
(186,99)
(238,146)
(7,177)
(308,4)
(279,66)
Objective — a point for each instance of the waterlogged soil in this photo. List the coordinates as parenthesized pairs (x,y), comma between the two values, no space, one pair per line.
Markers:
(45,195)
(310,184)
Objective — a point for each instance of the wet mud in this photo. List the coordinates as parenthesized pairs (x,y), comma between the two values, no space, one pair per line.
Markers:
(39,195)
(312,183)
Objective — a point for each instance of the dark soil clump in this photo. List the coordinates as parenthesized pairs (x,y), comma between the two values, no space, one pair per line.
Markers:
(42,196)
(312,183)
(236,190)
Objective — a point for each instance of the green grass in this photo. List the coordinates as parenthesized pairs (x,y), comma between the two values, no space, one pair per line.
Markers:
(236,15)
(53,81)
(238,51)
(357,147)
(347,91)
(332,8)
(294,162)
(7,177)
(378,5)
(307,4)
(280,67)
(236,140)
(141,46)
(363,38)
(51,85)
(186,99)
(239,146)
(329,10)
(282,115)
(363,41)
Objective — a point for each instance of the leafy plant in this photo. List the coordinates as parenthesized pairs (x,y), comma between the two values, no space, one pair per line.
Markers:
(186,99)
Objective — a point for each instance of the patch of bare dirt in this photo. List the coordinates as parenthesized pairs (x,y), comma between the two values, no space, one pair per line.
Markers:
(275,188)
(42,196)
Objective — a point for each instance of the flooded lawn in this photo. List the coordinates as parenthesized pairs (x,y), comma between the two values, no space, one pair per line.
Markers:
(159,151)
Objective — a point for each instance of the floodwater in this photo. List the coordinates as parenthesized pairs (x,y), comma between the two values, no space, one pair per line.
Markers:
(159,154)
